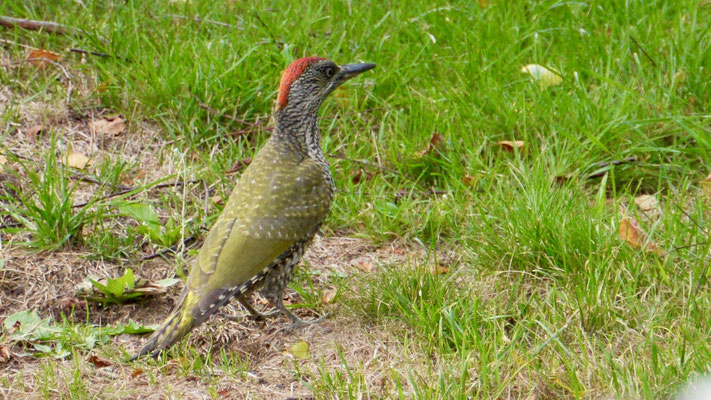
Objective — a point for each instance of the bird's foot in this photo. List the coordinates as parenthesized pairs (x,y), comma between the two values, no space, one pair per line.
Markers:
(256,315)
(297,322)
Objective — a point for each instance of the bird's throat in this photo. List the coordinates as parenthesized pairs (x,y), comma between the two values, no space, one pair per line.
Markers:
(299,132)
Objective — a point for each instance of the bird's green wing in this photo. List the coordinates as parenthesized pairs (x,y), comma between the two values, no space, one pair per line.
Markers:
(271,208)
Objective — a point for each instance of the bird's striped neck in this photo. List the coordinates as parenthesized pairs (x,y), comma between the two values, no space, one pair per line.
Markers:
(298,130)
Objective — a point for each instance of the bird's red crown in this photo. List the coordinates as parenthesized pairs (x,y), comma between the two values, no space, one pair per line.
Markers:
(292,73)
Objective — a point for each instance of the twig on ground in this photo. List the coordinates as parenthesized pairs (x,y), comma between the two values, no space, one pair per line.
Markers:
(52,27)
(643,51)
(70,49)
(691,219)
(93,53)
(88,179)
(607,164)
(13,224)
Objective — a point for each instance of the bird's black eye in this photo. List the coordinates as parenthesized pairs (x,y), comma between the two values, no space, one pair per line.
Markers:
(329,71)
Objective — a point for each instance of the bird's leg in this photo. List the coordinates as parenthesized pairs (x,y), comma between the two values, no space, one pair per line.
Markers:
(254,314)
(296,322)
(274,292)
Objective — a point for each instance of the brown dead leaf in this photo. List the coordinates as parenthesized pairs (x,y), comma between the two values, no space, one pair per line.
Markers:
(136,373)
(508,145)
(41,58)
(356,177)
(631,232)
(706,186)
(436,144)
(77,160)
(239,165)
(364,266)
(217,199)
(441,269)
(149,288)
(647,203)
(5,354)
(361,176)
(468,180)
(113,125)
(98,362)
(32,132)
(328,296)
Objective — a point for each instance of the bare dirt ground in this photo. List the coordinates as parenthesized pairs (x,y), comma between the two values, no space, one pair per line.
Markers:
(45,283)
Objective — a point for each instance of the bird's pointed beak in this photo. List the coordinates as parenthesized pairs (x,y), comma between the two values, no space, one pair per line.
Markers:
(348,71)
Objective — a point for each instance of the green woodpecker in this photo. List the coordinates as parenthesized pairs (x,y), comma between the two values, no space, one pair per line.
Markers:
(273,213)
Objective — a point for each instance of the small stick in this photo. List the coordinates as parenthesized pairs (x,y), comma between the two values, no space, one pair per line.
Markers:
(93,53)
(607,164)
(13,224)
(88,179)
(643,51)
(29,24)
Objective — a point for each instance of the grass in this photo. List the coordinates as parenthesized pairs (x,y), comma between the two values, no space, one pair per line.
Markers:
(537,295)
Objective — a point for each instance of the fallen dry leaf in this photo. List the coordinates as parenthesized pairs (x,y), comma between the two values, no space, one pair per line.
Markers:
(631,232)
(41,58)
(217,199)
(364,266)
(136,373)
(5,354)
(359,176)
(77,160)
(110,125)
(706,185)
(508,145)
(468,180)
(441,269)
(32,132)
(239,165)
(647,203)
(561,179)
(328,296)
(300,350)
(98,362)
(543,76)
(149,288)
(436,143)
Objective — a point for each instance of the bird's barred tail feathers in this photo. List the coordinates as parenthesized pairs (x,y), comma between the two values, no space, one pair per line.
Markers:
(174,328)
